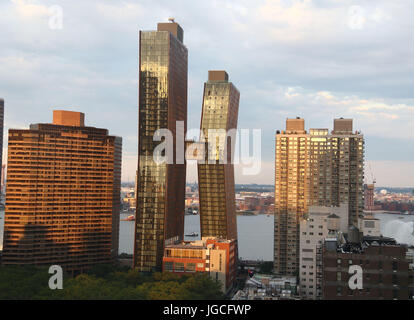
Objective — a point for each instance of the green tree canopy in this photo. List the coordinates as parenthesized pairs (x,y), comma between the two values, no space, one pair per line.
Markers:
(106,282)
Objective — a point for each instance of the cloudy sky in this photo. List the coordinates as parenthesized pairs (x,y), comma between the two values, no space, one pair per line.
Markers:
(317,59)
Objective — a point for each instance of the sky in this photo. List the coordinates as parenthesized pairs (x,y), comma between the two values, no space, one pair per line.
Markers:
(316,59)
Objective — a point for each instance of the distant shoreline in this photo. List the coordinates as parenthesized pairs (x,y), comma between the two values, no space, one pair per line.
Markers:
(396,213)
(251,213)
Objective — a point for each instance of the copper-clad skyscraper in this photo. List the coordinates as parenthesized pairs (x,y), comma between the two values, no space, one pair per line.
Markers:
(216,178)
(163,64)
(63,195)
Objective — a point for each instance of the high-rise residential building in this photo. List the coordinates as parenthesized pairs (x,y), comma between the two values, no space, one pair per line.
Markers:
(216,171)
(213,256)
(347,156)
(63,194)
(163,64)
(316,168)
(291,194)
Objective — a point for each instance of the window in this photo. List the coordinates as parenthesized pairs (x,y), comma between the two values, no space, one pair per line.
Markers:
(168,266)
(338,276)
(395,294)
(369,224)
(338,291)
(190,267)
(179,267)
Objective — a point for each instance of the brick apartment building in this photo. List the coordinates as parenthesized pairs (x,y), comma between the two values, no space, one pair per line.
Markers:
(387,273)
(214,256)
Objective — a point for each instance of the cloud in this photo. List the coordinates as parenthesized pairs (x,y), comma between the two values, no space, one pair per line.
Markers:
(30,9)
(370,114)
(288,58)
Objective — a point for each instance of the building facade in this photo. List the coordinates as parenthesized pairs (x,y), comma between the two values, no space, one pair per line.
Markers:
(347,182)
(386,273)
(216,171)
(216,257)
(292,177)
(313,169)
(369,197)
(63,195)
(370,226)
(163,64)
(313,231)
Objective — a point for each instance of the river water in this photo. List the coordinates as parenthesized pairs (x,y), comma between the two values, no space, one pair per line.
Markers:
(255,233)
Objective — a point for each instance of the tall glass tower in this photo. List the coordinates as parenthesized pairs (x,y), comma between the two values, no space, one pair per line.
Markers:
(216,174)
(163,65)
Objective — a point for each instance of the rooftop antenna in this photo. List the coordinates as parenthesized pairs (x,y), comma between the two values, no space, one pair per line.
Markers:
(171,20)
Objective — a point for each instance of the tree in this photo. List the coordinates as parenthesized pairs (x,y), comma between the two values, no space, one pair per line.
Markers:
(106,282)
